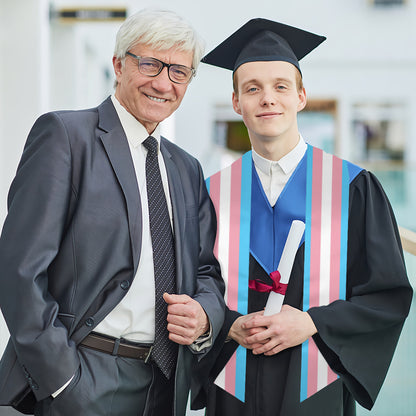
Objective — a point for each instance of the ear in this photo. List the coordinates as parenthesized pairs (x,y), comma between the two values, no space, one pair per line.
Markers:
(236,104)
(302,100)
(118,67)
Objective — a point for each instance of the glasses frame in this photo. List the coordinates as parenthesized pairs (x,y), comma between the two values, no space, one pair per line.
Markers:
(164,64)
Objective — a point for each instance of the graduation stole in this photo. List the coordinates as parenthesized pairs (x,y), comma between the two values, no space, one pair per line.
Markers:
(230,192)
(326,221)
(326,234)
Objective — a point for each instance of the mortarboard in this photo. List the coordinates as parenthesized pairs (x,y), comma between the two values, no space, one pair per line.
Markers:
(263,40)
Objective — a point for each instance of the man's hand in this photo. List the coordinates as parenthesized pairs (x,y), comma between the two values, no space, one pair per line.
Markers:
(187,319)
(285,329)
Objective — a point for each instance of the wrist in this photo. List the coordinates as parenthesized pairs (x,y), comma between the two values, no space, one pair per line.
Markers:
(311,325)
(232,333)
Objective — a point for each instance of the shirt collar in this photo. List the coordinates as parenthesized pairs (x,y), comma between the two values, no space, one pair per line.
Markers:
(287,163)
(135,131)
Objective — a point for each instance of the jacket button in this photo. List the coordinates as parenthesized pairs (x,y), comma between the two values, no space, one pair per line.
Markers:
(89,322)
(125,284)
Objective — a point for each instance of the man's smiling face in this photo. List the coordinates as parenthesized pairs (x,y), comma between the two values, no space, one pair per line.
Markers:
(150,99)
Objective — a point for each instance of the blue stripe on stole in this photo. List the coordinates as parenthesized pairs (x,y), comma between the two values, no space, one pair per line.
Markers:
(306,277)
(243,267)
(345,202)
(207,183)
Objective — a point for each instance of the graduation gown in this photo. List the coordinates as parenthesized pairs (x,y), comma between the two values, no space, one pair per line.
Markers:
(356,336)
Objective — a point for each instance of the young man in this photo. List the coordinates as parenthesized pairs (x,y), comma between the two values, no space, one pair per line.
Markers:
(348,293)
(108,281)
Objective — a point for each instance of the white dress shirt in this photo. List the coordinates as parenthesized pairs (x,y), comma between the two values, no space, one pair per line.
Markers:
(275,174)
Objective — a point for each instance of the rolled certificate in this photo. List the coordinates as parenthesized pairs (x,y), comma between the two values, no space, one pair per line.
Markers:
(275,300)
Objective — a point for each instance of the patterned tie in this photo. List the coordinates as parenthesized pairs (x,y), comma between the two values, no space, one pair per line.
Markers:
(164,351)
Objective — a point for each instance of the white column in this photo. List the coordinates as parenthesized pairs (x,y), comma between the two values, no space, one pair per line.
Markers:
(24,87)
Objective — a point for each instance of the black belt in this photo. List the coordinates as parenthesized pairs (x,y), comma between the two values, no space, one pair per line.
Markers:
(117,346)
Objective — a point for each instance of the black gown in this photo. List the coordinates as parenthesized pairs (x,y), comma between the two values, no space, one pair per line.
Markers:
(356,336)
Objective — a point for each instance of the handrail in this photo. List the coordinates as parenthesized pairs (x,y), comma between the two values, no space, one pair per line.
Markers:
(408,238)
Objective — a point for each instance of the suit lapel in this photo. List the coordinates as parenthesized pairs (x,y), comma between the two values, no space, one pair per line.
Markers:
(116,146)
(178,208)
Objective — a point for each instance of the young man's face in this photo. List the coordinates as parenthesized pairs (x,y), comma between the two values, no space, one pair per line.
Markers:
(268,100)
(150,99)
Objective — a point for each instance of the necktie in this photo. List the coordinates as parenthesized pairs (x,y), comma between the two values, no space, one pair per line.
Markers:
(164,351)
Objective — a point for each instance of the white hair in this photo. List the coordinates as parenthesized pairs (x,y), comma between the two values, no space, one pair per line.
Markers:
(160,30)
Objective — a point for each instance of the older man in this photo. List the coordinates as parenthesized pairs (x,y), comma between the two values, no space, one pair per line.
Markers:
(108,283)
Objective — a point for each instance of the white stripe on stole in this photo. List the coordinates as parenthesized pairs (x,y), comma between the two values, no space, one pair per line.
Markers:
(224,241)
(325,260)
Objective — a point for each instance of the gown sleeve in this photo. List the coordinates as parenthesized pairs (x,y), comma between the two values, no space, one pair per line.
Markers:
(358,336)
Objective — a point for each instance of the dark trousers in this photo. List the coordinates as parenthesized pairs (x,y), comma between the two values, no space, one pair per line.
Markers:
(107,385)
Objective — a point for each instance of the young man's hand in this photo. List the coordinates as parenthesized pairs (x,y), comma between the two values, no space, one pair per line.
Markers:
(288,328)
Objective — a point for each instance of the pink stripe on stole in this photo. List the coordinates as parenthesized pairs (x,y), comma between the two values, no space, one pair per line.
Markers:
(230,374)
(233,265)
(214,193)
(335,228)
(314,287)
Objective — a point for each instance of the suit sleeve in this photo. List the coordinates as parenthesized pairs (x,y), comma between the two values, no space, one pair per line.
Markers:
(358,336)
(37,213)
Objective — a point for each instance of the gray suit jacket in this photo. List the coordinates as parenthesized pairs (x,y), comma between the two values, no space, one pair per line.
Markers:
(72,239)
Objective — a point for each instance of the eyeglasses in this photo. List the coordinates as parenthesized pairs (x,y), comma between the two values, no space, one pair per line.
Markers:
(152,67)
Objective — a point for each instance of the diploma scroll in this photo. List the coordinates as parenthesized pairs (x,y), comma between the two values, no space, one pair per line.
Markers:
(275,300)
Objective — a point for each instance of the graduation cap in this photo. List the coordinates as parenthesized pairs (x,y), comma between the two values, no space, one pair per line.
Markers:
(263,40)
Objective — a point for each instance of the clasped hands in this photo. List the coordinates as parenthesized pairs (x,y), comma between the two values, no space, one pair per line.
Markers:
(269,335)
(187,320)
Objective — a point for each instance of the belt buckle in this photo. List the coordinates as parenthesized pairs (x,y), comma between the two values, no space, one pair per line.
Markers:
(148,355)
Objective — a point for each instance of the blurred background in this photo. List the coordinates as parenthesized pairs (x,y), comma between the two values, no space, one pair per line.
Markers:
(57,54)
